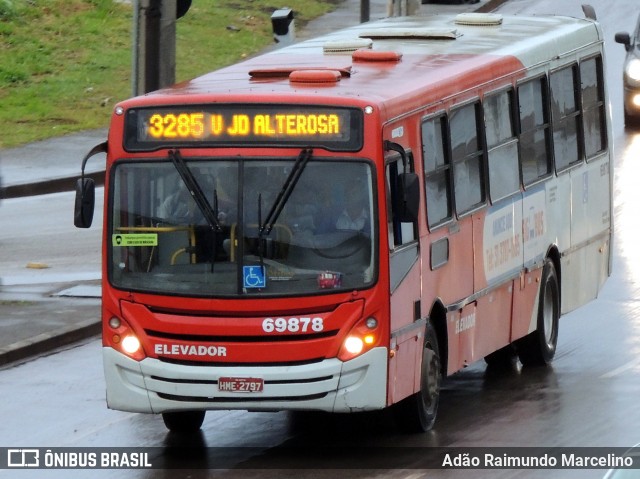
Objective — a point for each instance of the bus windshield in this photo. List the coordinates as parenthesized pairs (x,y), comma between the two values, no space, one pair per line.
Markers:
(166,238)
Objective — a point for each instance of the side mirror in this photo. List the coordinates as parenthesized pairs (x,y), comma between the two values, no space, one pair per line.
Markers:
(625,39)
(85,202)
(408,197)
(86,192)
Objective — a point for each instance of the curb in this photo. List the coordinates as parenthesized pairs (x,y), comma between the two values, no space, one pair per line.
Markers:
(45,187)
(46,342)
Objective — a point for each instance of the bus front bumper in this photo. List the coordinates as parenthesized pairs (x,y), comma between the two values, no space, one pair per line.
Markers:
(152,386)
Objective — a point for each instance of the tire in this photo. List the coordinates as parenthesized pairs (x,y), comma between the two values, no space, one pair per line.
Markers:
(183,421)
(417,413)
(539,347)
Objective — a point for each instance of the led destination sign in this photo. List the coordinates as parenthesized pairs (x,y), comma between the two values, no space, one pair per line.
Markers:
(333,128)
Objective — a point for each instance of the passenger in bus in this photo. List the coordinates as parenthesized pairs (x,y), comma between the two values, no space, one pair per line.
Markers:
(178,208)
(354,216)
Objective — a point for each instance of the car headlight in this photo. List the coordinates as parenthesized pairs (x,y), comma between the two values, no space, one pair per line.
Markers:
(632,70)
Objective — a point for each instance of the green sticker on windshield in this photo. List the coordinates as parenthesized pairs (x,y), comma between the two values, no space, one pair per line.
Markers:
(135,239)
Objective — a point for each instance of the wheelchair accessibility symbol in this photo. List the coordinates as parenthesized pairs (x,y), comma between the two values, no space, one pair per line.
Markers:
(254,277)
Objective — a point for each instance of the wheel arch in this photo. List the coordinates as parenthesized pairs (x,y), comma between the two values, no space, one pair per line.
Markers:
(438,317)
(554,255)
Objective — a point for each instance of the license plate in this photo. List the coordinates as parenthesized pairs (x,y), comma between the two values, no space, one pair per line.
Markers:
(241,385)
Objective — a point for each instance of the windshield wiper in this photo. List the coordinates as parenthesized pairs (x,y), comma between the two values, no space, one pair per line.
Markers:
(209,212)
(285,192)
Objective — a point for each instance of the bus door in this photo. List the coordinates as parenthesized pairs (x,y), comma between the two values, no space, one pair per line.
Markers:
(404,284)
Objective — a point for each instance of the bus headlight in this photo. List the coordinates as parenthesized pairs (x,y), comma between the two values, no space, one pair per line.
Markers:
(362,337)
(130,345)
(354,345)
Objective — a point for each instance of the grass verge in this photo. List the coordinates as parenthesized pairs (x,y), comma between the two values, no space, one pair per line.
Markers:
(64,63)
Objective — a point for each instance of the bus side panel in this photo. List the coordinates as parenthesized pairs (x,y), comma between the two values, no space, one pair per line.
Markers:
(404,367)
(587,263)
(498,260)
(461,329)
(497,254)
(493,324)
(535,241)
(558,210)
(525,304)
(450,279)
(534,226)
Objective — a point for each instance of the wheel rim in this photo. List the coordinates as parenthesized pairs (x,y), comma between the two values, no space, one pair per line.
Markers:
(430,380)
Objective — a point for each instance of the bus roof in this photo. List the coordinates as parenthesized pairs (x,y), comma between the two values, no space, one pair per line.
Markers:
(440,54)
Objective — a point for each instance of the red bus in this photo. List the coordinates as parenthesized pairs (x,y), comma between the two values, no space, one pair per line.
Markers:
(340,224)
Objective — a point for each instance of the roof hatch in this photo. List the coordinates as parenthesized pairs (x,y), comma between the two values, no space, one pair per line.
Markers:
(285,72)
(479,19)
(346,46)
(412,33)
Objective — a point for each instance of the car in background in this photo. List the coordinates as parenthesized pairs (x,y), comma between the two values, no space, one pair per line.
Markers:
(631,75)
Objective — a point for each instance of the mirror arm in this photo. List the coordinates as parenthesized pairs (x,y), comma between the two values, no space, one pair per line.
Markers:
(100,148)
(391,146)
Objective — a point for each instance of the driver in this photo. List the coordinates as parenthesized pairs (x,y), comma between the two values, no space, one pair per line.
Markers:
(354,216)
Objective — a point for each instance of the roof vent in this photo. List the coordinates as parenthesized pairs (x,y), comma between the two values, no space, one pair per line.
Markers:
(376,56)
(412,33)
(315,76)
(479,19)
(285,72)
(346,46)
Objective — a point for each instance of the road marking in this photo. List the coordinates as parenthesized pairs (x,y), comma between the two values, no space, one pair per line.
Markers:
(621,369)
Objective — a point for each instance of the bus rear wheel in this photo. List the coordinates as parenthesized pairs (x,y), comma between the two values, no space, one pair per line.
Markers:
(539,347)
(183,421)
(417,413)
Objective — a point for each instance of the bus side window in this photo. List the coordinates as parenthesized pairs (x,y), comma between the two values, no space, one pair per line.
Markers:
(467,157)
(400,232)
(502,145)
(535,152)
(566,116)
(437,170)
(593,107)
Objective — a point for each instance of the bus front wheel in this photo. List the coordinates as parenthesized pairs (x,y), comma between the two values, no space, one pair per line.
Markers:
(417,413)
(183,421)
(539,347)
